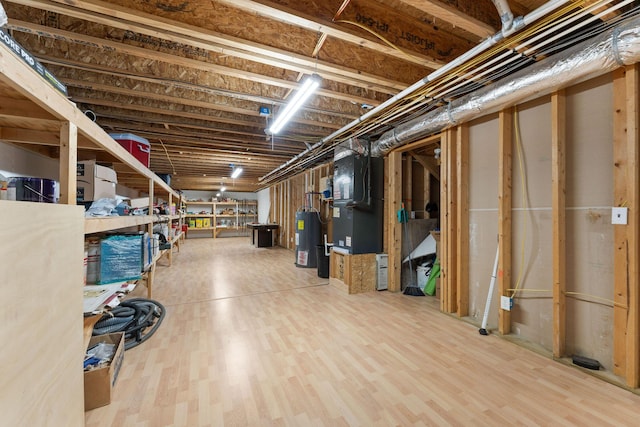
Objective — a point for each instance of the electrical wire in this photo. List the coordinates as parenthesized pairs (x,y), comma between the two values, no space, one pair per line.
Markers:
(524,186)
(168,157)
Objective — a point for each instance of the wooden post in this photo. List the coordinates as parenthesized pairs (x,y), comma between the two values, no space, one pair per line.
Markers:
(620,238)
(394,203)
(633,228)
(407,181)
(68,160)
(558,184)
(462,211)
(504,213)
(448,263)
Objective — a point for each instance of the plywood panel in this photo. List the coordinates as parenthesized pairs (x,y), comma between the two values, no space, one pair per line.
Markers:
(41,314)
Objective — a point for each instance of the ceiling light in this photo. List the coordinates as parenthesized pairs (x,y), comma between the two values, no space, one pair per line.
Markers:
(223,189)
(236,173)
(308,87)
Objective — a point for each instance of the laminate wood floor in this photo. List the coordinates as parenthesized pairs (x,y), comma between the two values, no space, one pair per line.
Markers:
(249,339)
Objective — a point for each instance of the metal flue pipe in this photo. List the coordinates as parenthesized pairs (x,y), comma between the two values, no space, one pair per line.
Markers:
(602,54)
(517,24)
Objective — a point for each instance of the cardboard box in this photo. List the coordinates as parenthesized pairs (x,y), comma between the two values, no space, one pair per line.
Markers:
(99,383)
(134,144)
(95,181)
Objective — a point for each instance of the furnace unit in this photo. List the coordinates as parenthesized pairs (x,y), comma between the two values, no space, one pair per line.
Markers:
(357,201)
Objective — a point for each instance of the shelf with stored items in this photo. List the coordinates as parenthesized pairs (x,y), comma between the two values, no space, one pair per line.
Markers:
(39,118)
(223,216)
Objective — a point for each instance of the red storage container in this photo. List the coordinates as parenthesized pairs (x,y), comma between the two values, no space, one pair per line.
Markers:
(136,145)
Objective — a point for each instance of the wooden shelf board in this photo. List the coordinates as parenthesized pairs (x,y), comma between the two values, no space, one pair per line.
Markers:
(97,225)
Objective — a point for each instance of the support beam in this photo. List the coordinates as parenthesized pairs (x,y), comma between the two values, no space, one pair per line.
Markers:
(394,244)
(632,79)
(558,190)
(505,184)
(407,183)
(449,226)
(68,160)
(462,213)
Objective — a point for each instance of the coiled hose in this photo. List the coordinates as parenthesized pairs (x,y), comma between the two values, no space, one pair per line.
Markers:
(138,318)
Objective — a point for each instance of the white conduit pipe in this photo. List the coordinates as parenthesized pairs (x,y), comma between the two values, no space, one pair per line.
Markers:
(506,17)
(600,55)
(517,24)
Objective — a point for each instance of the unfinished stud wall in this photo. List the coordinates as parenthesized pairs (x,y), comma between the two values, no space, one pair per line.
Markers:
(589,187)
(589,230)
(532,230)
(288,196)
(483,215)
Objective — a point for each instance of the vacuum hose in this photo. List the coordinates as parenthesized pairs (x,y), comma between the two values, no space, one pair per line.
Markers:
(138,318)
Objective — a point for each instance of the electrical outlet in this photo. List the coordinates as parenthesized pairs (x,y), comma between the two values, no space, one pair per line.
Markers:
(619,216)
(506,303)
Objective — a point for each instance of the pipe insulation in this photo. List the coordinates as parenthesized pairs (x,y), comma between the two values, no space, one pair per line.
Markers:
(513,26)
(600,55)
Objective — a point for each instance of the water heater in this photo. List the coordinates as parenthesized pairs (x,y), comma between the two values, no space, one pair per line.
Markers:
(308,233)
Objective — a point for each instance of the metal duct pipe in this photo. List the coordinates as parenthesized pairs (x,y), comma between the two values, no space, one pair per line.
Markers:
(602,54)
(506,17)
(489,42)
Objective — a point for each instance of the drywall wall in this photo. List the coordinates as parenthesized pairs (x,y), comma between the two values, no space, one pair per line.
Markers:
(264,205)
(15,161)
(589,233)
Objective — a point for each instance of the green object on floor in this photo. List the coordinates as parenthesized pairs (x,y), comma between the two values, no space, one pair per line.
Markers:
(430,287)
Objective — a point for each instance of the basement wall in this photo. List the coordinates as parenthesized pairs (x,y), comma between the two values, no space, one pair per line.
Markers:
(589,159)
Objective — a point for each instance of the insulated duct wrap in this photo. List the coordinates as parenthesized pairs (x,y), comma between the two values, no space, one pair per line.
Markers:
(600,55)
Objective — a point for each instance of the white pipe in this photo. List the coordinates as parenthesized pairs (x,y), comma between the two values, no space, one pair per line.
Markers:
(594,57)
(506,17)
(487,305)
(467,56)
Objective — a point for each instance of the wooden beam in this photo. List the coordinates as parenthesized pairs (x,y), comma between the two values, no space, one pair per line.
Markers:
(449,224)
(411,40)
(462,212)
(620,234)
(407,183)
(558,196)
(394,204)
(429,163)
(421,143)
(189,35)
(457,18)
(68,161)
(505,170)
(632,79)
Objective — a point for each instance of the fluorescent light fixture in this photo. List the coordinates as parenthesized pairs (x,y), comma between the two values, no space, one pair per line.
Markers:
(236,173)
(223,189)
(308,87)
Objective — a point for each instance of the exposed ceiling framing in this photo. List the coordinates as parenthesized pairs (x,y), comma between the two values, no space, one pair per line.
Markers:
(190,76)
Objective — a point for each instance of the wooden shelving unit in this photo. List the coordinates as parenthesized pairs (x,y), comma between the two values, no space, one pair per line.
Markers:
(36,116)
(220,217)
